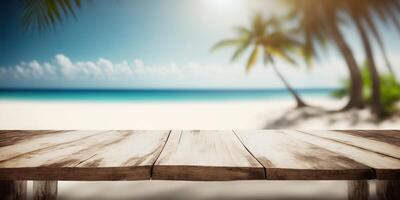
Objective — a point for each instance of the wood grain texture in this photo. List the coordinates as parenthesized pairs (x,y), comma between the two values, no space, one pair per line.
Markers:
(390,137)
(199,155)
(206,156)
(13,190)
(287,158)
(385,167)
(13,137)
(66,154)
(44,142)
(382,146)
(45,190)
(86,155)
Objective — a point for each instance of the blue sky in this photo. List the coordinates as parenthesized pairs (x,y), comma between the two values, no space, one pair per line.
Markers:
(151,44)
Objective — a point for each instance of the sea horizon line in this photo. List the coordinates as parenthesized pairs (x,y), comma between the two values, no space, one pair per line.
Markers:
(166,89)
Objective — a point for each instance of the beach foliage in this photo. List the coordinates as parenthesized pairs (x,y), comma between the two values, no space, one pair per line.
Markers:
(389,87)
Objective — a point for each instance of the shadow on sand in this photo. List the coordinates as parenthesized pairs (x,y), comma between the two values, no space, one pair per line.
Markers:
(317,118)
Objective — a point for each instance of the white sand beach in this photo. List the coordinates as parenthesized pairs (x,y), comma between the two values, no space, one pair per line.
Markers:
(266,114)
(272,114)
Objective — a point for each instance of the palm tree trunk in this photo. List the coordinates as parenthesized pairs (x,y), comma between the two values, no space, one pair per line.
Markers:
(376,104)
(380,42)
(300,103)
(356,100)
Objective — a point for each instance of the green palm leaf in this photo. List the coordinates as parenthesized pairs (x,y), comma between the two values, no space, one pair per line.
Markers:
(252,59)
(242,31)
(227,43)
(239,52)
(45,14)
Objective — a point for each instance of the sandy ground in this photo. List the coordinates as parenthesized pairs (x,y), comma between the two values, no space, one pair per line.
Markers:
(272,114)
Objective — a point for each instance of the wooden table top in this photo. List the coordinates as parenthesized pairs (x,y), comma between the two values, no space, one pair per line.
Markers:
(195,155)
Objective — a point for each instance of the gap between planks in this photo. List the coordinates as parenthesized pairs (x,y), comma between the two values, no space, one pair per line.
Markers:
(158,156)
(178,159)
(247,149)
(300,160)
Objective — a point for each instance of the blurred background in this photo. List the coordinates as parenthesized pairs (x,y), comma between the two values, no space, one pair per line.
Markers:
(200,64)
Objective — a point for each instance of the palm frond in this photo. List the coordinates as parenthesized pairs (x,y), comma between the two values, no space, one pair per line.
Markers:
(227,43)
(252,59)
(45,14)
(239,51)
(242,30)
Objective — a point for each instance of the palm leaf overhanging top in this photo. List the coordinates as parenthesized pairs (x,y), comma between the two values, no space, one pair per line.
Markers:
(45,14)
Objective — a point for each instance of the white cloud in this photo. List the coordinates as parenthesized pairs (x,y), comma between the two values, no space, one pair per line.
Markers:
(104,73)
(63,67)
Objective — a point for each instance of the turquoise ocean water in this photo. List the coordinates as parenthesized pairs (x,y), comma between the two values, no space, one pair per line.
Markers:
(155,94)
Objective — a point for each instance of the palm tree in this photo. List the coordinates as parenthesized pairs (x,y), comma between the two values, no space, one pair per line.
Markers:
(388,12)
(360,13)
(45,14)
(266,38)
(319,20)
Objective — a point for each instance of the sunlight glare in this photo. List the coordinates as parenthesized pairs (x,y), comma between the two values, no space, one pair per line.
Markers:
(223,4)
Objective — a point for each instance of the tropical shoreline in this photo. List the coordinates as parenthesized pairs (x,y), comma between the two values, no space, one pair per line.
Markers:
(260,114)
(158,95)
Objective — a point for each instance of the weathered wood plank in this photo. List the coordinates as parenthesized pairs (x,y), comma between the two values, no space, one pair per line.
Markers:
(93,157)
(13,190)
(67,154)
(287,158)
(361,142)
(385,167)
(134,156)
(389,137)
(197,155)
(389,133)
(45,190)
(206,156)
(13,137)
(46,142)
